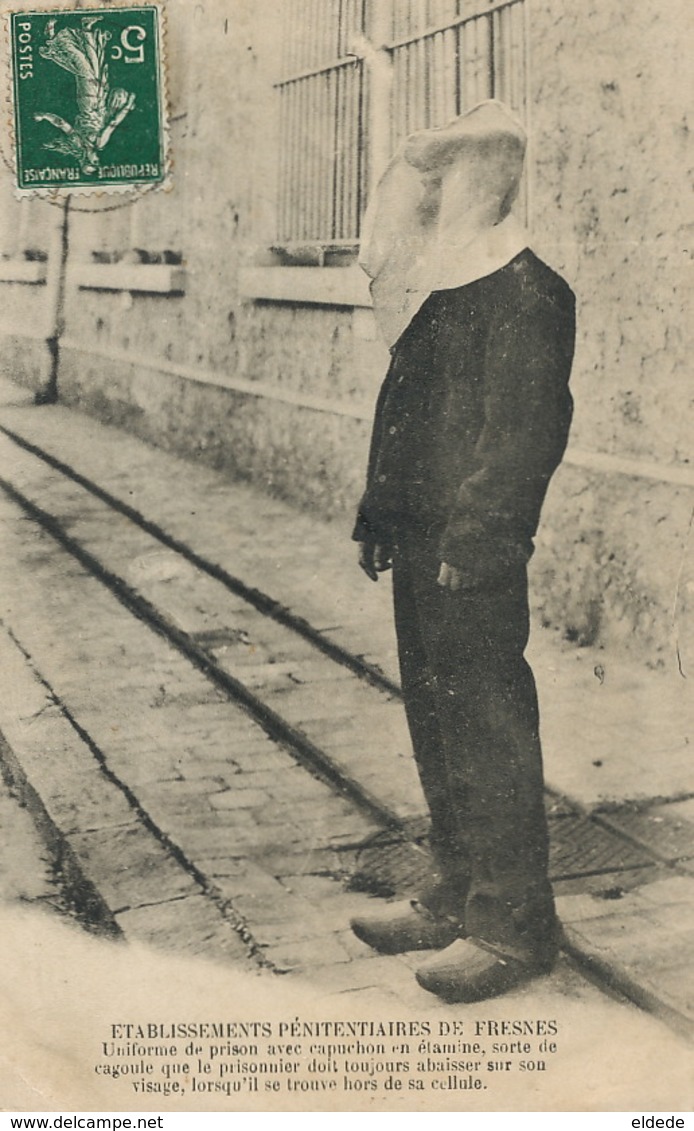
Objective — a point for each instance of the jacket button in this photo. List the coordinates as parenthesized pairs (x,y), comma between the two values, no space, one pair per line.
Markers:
(381,479)
(392,430)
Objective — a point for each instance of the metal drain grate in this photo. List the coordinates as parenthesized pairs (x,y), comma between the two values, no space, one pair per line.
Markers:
(387,865)
(662,829)
(580,847)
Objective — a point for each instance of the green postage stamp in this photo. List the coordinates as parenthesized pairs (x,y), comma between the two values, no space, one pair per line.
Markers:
(89,99)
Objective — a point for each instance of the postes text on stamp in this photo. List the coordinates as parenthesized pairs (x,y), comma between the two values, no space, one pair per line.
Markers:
(89,99)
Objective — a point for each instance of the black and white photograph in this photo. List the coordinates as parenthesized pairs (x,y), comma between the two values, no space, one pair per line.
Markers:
(346,556)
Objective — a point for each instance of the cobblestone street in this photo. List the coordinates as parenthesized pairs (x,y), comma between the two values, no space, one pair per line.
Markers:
(201,712)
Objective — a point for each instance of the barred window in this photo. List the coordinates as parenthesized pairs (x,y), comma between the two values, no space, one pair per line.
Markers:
(359,75)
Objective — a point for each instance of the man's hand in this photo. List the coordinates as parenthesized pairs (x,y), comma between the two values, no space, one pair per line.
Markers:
(374,559)
(449,577)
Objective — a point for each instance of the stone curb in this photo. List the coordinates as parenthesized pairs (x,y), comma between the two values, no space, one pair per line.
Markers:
(47,761)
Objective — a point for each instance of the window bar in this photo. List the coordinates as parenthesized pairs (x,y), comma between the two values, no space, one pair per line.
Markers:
(413,51)
(427,80)
(482,63)
(463,31)
(409,89)
(294,142)
(320,151)
(484,32)
(437,80)
(359,168)
(287,150)
(349,142)
(338,220)
(396,101)
(404,53)
(352,153)
(319,155)
(365,172)
(299,159)
(365,175)
(421,64)
(283,170)
(506,39)
(501,56)
(448,68)
(449,75)
(343,26)
(296,160)
(354,139)
(402,88)
(332,157)
(326,156)
(459,21)
(425,87)
(438,72)
(518,72)
(508,48)
(357,137)
(313,150)
(304,159)
(471,64)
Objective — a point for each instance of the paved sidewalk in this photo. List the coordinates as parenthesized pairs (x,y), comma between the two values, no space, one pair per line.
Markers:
(616,736)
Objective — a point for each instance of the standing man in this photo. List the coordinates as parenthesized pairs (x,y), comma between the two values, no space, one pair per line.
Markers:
(471,422)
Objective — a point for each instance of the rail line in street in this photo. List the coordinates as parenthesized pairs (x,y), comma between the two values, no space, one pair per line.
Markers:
(319,706)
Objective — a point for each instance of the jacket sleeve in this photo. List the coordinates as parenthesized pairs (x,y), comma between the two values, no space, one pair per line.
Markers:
(527,414)
(364,529)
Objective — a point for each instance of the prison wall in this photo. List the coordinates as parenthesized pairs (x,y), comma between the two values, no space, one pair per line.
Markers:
(224,355)
(610,163)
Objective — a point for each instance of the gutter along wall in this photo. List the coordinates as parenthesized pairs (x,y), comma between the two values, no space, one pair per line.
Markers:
(270,373)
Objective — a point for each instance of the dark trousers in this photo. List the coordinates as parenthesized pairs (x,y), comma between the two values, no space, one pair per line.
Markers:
(472,711)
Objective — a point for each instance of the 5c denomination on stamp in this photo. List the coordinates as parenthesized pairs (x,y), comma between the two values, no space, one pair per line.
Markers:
(88,99)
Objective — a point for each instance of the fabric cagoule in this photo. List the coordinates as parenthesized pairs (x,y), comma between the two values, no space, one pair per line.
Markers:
(441,214)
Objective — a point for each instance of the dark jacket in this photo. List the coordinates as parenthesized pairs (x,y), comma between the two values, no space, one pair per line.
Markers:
(473,418)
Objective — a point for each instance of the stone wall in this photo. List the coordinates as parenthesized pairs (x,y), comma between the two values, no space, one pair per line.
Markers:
(281,392)
(611,168)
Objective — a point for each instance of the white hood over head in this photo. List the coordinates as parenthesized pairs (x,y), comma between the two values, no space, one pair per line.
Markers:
(440,217)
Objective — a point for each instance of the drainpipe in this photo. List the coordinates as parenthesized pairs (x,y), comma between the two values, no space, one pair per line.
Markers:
(58,252)
(377,57)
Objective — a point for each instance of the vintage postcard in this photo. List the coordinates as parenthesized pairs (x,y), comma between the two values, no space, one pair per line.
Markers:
(346,557)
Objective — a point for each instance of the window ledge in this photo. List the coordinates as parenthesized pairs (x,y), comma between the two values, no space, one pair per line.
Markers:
(325,286)
(148,278)
(22,271)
